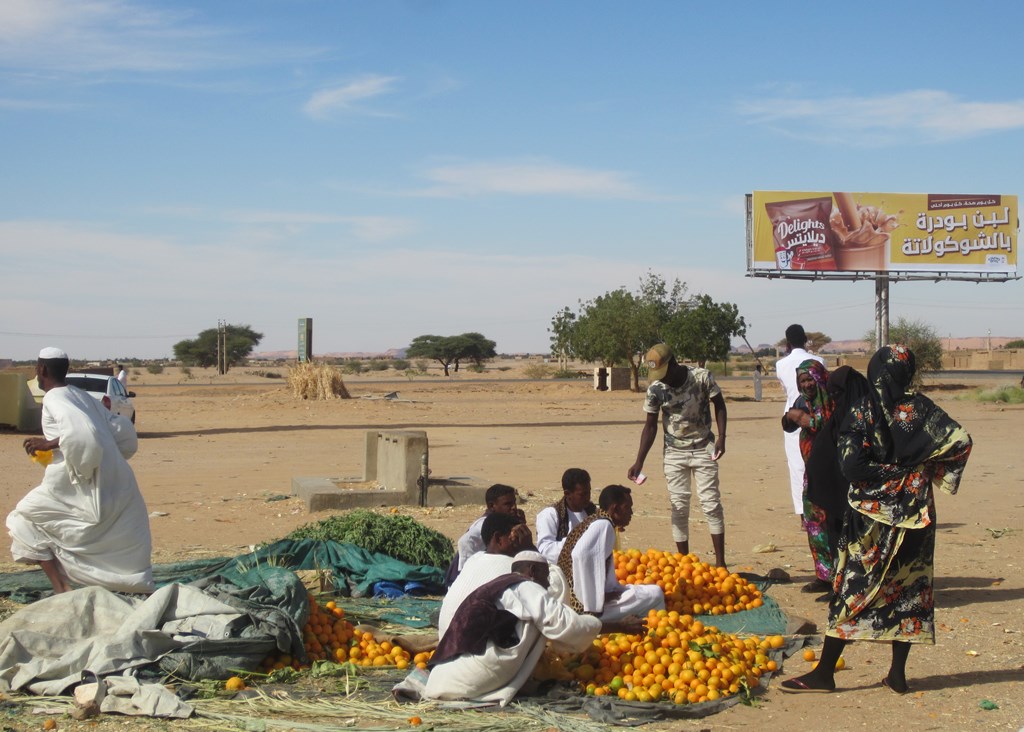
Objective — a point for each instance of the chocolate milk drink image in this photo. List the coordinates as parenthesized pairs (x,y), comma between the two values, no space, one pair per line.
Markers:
(861,233)
(801,233)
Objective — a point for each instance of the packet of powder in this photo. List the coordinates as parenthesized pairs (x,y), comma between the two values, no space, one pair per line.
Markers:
(802,235)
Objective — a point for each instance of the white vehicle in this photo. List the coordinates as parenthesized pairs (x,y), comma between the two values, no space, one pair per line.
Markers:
(108,390)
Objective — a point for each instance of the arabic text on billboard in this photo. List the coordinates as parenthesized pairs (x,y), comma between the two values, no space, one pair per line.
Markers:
(913,232)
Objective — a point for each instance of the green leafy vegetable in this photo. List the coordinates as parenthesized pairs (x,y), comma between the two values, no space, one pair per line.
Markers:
(401,537)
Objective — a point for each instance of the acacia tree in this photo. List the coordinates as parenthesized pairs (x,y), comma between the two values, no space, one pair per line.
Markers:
(202,350)
(815,341)
(922,339)
(448,350)
(703,331)
(619,326)
(563,334)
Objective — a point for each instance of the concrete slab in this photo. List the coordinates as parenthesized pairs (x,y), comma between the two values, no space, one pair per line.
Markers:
(322,494)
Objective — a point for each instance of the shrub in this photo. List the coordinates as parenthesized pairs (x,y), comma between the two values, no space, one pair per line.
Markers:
(155,368)
(1002,395)
(400,364)
(537,371)
(378,365)
(353,367)
(568,374)
(476,368)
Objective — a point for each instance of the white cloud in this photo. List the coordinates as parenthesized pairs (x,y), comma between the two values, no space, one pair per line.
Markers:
(343,98)
(44,39)
(271,226)
(919,115)
(527,178)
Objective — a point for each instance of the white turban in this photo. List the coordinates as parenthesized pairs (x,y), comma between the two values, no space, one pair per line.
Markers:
(50,352)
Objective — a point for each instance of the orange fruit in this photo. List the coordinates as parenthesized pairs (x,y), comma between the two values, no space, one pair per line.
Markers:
(809,654)
(236,684)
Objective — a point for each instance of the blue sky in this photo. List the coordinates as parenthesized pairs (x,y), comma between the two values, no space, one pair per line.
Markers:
(398,168)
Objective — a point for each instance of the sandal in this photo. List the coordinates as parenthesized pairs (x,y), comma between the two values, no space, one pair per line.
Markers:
(796,686)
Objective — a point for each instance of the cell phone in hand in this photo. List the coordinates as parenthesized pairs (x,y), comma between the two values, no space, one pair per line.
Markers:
(639,478)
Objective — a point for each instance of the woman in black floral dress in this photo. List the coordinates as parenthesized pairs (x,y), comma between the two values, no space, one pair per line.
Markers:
(896,448)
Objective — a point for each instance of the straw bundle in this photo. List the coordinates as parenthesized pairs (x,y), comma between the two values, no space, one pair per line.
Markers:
(317,381)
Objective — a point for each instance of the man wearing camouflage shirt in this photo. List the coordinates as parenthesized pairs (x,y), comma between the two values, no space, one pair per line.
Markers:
(683,397)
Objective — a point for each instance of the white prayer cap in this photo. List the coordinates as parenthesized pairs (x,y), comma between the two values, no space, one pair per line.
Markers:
(530,556)
(51,352)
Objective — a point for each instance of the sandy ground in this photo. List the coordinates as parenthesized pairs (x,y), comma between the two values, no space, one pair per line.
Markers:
(215,449)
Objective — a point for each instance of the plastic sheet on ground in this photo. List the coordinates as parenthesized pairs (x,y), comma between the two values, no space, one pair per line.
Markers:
(360,569)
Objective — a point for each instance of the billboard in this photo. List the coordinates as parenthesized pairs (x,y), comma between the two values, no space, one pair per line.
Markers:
(795,231)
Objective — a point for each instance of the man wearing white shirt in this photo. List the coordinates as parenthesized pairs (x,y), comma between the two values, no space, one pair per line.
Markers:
(785,370)
(555,522)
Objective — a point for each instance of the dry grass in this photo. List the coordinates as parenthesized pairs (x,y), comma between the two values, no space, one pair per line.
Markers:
(317,381)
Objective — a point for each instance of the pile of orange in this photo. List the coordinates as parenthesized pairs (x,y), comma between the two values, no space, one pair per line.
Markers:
(691,587)
(327,635)
(678,659)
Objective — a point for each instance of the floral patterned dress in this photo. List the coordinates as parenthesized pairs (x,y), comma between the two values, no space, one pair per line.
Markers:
(896,448)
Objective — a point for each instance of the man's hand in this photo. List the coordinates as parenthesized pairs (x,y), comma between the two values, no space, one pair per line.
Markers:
(631,625)
(719,447)
(33,445)
(634,470)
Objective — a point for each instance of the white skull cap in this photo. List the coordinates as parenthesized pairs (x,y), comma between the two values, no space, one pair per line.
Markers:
(51,352)
(530,556)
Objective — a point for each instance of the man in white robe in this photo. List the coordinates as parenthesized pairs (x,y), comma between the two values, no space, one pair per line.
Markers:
(499,498)
(555,522)
(498,671)
(87,523)
(589,554)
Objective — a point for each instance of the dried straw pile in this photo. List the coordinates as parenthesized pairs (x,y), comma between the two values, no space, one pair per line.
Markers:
(317,381)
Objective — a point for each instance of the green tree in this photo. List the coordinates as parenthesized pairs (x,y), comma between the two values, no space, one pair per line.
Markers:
(563,334)
(815,341)
(476,348)
(922,339)
(202,350)
(703,331)
(619,326)
(448,350)
(1014,344)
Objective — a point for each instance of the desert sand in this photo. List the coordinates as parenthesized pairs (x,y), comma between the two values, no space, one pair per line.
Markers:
(215,449)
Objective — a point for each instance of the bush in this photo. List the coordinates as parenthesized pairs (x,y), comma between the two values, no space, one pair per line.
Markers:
(1001,395)
(569,374)
(537,371)
(378,365)
(476,368)
(155,368)
(400,364)
(353,367)
(422,365)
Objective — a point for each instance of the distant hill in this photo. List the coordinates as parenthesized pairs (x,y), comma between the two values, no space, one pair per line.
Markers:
(971,343)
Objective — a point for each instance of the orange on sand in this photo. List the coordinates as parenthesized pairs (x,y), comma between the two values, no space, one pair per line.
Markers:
(809,654)
(415,721)
(234,684)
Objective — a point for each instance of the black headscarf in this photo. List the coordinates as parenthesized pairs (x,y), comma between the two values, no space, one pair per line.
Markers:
(827,487)
(916,427)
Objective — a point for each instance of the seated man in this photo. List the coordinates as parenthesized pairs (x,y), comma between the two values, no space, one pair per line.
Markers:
(504,535)
(499,499)
(589,565)
(87,522)
(499,632)
(555,522)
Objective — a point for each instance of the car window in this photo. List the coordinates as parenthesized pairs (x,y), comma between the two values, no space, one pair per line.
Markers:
(118,388)
(89,383)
